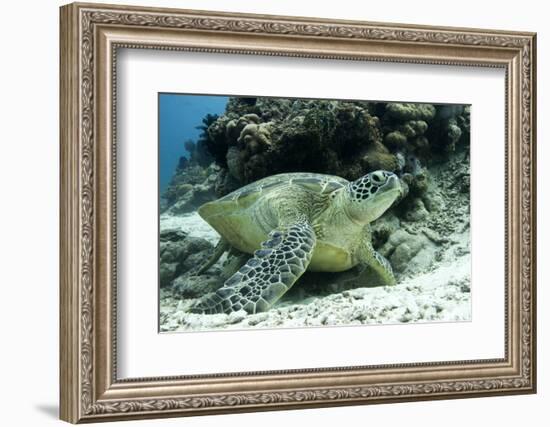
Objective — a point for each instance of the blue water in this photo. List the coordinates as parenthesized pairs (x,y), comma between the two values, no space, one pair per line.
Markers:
(179,115)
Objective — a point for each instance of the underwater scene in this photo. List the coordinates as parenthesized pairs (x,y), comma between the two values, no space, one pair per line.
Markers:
(289,212)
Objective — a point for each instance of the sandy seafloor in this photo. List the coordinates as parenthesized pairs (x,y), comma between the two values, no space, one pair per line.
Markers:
(440,294)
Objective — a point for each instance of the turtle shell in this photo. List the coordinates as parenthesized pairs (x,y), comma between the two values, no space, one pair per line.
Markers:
(247,195)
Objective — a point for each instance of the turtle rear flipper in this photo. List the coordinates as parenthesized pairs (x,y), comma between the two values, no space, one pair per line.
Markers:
(219,250)
(264,278)
(374,269)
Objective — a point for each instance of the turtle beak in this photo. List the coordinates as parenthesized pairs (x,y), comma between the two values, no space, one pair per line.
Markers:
(392,183)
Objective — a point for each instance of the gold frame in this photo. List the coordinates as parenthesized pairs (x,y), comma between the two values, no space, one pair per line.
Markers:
(90,36)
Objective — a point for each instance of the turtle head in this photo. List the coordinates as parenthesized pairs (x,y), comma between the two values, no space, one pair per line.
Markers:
(371,195)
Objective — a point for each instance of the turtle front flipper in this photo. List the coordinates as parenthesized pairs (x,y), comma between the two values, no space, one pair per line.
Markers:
(264,278)
(375,270)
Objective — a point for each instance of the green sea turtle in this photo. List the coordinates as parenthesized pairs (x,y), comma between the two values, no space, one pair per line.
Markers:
(292,222)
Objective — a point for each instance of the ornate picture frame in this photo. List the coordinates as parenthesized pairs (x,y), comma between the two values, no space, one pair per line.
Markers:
(91,34)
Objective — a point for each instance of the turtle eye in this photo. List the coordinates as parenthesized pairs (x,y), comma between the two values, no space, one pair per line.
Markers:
(378,178)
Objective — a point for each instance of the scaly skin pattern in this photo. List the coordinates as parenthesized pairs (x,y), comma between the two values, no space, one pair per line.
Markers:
(266,276)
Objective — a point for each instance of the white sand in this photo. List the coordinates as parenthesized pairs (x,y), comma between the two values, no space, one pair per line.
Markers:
(191,223)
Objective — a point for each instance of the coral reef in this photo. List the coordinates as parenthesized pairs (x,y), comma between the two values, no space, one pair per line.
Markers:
(258,137)
(274,136)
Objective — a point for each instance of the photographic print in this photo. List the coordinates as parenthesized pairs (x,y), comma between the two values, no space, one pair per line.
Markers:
(287,212)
